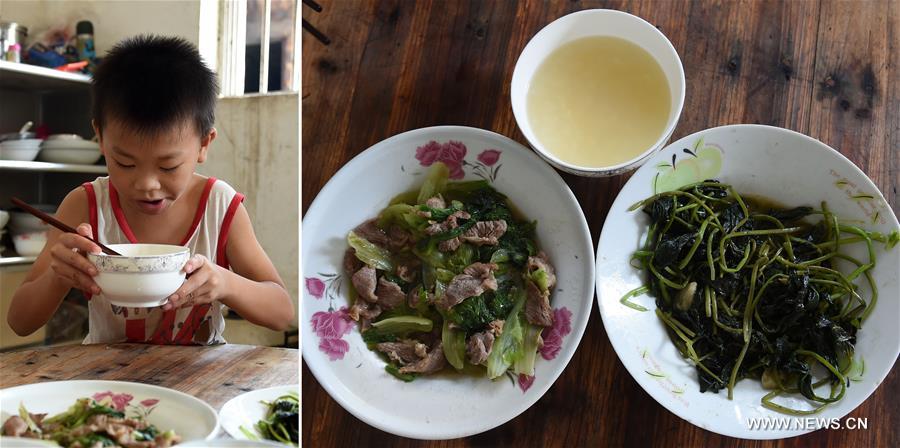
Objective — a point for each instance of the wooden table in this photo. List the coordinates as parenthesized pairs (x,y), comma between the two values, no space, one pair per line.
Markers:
(213,374)
(826,69)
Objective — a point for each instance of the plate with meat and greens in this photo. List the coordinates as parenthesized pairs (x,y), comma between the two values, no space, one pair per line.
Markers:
(750,272)
(102,413)
(448,279)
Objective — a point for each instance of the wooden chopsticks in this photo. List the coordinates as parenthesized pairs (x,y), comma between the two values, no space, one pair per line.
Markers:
(59,224)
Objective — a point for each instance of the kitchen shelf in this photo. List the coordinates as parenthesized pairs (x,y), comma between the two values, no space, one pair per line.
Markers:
(51,167)
(31,77)
(12,261)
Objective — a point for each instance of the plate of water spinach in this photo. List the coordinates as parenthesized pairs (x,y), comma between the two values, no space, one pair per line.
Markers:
(448,278)
(751,272)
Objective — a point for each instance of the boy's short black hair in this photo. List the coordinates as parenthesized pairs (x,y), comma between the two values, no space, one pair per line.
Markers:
(151,83)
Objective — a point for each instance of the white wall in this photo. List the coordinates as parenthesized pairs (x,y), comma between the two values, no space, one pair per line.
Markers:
(257,153)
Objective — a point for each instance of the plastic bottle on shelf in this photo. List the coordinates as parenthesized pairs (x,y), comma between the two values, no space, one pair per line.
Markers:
(13,53)
(84,41)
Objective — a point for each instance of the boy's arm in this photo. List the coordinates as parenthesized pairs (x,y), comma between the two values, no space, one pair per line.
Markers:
(37,298)
(255,290)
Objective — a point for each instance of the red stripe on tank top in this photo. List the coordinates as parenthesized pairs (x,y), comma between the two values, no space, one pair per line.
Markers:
(163,333)
(126,228)
(135,330)
(221,255)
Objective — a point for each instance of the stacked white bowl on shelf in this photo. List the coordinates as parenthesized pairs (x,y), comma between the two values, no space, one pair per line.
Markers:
(21,149)
(69,148)
(4,218)
(29,233)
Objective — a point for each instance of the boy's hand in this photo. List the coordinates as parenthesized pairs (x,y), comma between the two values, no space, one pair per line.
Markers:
(205,284)
(68,262)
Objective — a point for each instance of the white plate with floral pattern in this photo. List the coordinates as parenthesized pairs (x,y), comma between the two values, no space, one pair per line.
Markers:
(774,163)
(190,417)
(442,406)
(248,408)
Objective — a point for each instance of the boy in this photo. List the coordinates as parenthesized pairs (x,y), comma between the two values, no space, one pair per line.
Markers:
(154,108)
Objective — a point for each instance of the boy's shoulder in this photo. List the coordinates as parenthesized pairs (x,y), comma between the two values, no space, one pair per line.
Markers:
(219,189)
(74,207)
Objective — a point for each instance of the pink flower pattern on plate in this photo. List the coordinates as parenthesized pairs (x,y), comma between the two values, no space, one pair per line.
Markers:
(315,287)
(451,154)
(553,336)
(332,324)
(525,381)
(489,157)
(149,402)
(334,348)
(118,401)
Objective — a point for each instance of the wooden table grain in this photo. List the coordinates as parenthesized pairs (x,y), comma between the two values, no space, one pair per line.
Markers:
(828,69)
(213,374)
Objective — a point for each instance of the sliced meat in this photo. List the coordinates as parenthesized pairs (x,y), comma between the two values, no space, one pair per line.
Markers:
(484,271)
(120,432)
(364,281)
(436,202)
(540,261)
(398,238)
(372,233)
(475,279)
(449,245)
(408,269)
(404,352)
(537,306)
(15,426)
(496,326)
(485,233)
(448,224)
(351,263)
(363,312)
(479,347)
(433,362)
(389,294)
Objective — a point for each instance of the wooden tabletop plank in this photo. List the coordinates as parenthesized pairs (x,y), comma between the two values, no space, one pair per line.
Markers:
(397,66)
(855,68)
(213,374)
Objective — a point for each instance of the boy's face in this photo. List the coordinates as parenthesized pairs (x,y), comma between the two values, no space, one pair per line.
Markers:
(151,173)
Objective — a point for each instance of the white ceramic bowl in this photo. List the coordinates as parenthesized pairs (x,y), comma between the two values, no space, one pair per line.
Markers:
(775,163)
(24,222)
(80,156)
(22,150)
(448,405)
(144,276)
(596,22)
(29,244)
(59,137)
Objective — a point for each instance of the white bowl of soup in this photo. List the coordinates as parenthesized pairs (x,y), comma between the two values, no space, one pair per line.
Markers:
(597,92)
(145,275)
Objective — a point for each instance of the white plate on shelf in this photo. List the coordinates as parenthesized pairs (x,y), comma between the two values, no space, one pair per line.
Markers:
(190,417)
(770,162)
(70,144)
(77,156)
(246,409)
(448,405)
